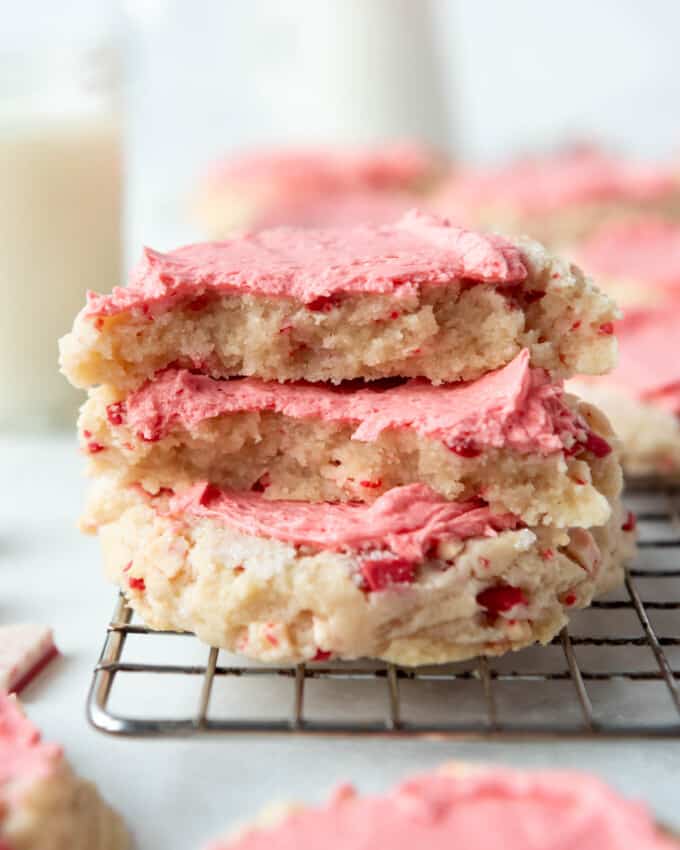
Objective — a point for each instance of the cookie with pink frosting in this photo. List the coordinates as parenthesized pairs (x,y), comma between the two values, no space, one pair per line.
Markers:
(44,805)
(559,198)
(479,808)
(314,187)
(510,437)
(641,396)
(410,577)
(417,298)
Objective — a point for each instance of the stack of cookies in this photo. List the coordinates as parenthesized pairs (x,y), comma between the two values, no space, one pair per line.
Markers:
(356,442)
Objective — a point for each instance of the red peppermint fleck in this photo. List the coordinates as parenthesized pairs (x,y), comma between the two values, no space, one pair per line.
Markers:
(273,640)
(137,583)
(99,323)
(93,448)
(547,554)
(501,598)
(570,599)
(606,329)
(324,303)
(127,567)
(485,562)
(284,329)
(533,295)
(372,485)
(380,574)
(395,314)
(631,522)
(555,275)
(262,483)
(578,481)
(465,450)
(414,351)
(115,413)
(199,303)
(598,446)
(209,494)
(321,655)
(87,434)
(167,279)
(576,325)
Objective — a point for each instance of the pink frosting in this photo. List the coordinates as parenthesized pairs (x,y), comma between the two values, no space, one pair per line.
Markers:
(24,758)
(543,184)
(485,810)
(407,520)
(646,251)
(301,170)
(515,407)
(649,365)
(307,265)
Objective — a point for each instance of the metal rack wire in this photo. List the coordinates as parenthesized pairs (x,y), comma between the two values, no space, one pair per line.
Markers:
(614,673)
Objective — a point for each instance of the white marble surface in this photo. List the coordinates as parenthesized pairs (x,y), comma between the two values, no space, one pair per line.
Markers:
(177,793)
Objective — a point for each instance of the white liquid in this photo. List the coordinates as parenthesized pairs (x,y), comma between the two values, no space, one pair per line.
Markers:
(60,234)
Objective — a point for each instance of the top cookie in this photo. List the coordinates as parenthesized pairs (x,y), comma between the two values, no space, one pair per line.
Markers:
(418,298)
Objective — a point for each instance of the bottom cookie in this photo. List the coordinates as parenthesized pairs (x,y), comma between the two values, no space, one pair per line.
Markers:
(411,578)
(478,808)
(43,804)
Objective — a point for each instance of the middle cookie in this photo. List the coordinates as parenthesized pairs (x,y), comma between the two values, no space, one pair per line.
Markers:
(512,438)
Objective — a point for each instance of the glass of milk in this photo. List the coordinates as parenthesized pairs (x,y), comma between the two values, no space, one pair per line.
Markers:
(60,216)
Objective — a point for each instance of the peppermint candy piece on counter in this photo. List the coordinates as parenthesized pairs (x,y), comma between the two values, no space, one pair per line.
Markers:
(25,650)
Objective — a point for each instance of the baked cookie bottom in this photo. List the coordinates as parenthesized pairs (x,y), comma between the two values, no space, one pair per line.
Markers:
(273,601)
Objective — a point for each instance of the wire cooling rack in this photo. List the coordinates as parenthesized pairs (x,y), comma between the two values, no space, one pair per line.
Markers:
(614,672)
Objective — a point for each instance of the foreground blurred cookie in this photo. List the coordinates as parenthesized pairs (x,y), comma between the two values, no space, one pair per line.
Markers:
(419,298)
(462,806)
(561,197)
(410,577)
(43,804)
(641,396)
(314,187)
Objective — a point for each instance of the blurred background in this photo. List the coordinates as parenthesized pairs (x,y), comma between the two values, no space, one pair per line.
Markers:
(111,112)
(484,80)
